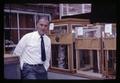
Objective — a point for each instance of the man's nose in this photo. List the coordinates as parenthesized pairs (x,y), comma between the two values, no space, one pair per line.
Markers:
(43,26)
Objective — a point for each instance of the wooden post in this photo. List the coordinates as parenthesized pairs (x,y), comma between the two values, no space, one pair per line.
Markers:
(101,52)
(91,58)
(106,62)
(77,60)
(98,59)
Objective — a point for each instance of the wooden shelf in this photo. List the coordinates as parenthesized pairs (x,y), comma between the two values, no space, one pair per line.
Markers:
(63,39)
(9,58)
(87,43)
(111,45)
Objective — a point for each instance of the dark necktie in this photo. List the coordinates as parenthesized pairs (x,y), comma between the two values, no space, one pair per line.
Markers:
(43,54)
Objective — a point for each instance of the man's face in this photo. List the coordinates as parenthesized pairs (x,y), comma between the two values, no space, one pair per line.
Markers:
(42,26)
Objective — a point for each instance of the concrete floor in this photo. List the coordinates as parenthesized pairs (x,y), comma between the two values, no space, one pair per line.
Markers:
(55,76)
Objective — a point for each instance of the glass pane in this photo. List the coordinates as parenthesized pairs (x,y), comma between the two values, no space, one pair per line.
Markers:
(74,9)
(59,30)
(65,11)
(114,30)
(60,56)
(26,21)
(87,8)
(75,32)
(11,39)
(11,36)
(111,62)
(95,61)
(10,20)
(88,61)
(91,31)
(74,55)
(23,32)
(83,58)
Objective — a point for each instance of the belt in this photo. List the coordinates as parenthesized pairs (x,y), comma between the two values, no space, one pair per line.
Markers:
(33,64)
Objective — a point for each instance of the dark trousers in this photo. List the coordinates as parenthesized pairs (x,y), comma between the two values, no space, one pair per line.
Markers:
(33,72)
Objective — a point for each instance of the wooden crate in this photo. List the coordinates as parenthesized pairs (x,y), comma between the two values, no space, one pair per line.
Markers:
(110,43)
(87,43)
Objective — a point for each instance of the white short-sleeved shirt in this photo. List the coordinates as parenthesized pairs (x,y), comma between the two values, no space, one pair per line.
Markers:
(29,49)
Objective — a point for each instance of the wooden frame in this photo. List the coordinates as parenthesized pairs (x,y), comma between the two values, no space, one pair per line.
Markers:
(66,39)
(87,43)
(111,46)
(68,61)
(8,59)
(109,43)
(85,71)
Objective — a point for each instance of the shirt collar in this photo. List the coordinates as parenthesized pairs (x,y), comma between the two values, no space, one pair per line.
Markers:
(40,35)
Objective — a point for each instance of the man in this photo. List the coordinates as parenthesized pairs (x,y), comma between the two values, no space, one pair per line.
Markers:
(34,60)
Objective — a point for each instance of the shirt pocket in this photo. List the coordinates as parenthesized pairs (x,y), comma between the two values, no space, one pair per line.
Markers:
(33,46)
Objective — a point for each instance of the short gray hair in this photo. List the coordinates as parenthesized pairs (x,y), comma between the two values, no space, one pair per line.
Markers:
(41,17)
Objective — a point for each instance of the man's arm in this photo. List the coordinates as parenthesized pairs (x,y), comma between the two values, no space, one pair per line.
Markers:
(20,46)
